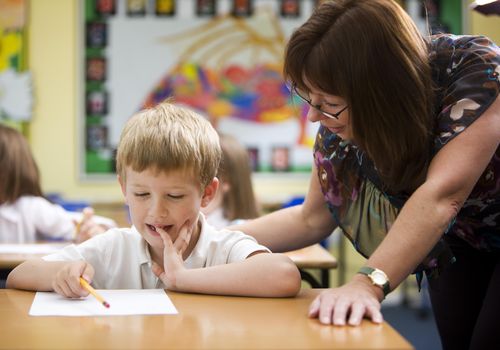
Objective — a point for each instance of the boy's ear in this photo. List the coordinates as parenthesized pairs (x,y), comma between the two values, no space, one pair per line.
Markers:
(209,192)
(122,185)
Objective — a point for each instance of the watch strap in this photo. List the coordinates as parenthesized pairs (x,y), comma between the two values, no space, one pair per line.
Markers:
(366,270)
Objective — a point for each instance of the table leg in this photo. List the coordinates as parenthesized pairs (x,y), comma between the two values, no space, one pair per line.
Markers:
(306,276)
(325,278)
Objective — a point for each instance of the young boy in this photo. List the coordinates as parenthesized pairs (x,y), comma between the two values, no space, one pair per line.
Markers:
(167,160)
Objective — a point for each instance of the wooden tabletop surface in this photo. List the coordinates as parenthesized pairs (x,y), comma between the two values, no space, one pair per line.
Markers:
(10,257)
(314,257)
(203,322)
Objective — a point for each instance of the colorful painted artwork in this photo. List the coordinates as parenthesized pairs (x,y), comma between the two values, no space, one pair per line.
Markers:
(257,94)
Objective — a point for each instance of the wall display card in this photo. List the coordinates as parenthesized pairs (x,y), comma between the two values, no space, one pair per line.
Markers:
(253,155)
(97,137)
(206,7)
(290,8)
(97,103)
(136,8)
(242,8)
(96,35)
(122,302)
(105,7)
(165,7)
(280,159)
(96,69)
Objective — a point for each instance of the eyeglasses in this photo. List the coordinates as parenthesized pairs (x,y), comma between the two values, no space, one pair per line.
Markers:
(302,95)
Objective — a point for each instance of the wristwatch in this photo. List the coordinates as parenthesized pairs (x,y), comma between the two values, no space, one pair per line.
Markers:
(378,278)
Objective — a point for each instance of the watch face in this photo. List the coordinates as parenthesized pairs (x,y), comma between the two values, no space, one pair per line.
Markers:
(378,278)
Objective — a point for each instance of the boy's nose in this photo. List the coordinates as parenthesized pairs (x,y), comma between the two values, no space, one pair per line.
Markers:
(159,210)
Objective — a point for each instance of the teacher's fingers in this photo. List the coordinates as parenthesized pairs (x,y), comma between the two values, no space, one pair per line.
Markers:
(314,307)
(374,313)
(326,309)
(323,307)
(339,312)
(359,310)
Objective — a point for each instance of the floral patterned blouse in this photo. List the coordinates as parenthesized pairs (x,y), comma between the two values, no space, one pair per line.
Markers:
(466,70)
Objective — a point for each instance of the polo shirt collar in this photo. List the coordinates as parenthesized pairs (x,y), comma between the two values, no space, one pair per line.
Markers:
(144,256)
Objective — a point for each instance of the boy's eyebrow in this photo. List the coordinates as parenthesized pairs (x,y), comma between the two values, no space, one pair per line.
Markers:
(137,185)
(166,187)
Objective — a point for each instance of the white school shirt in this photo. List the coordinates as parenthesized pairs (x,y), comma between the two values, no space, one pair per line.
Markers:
(32,218)
(217,219)
(121,259)
(29,217)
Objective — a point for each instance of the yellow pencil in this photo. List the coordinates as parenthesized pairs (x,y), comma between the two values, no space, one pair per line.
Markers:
(92,291)
(87,213)
(77,228)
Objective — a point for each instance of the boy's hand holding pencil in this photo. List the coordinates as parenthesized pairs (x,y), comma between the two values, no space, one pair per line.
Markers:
(71,281)
(67,278)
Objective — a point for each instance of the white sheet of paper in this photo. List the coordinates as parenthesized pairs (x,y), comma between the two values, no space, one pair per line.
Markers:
(31,248)
(122,302)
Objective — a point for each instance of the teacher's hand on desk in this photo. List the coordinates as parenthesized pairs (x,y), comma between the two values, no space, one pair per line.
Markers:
(348,303)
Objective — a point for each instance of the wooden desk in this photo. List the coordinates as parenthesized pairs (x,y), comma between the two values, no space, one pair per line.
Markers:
(314,257)
(203,322)
(10,259)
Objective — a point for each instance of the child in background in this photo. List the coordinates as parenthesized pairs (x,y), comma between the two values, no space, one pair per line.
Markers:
(25,215)
(167,160)
(235,199)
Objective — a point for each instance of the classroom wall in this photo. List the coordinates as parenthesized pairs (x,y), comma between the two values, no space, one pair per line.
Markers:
(53,134)
(486,25)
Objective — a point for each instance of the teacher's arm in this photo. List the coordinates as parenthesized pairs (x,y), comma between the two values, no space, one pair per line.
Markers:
(294,227)
(424,218)
(452,175)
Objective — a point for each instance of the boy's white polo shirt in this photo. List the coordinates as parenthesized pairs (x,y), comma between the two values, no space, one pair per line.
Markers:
(121,258)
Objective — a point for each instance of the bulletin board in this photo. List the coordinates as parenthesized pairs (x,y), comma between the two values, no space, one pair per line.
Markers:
(222,58)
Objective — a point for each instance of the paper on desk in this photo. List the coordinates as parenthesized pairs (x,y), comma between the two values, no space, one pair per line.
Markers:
(122,302)
(33,248)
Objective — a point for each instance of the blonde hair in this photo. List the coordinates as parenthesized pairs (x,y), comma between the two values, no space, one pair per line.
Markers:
(20,174)
(239,201)
(370,53)
(168,137)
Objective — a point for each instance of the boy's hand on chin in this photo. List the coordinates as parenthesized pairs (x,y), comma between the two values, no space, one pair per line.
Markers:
(173,263)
